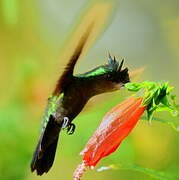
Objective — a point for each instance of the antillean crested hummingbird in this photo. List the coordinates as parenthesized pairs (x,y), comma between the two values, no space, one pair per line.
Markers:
(70,96)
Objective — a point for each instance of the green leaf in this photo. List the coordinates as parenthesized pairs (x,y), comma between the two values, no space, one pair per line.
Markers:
(165,101)
(148,171)
(133,86)
(157,96)
(163,108)
(150,114)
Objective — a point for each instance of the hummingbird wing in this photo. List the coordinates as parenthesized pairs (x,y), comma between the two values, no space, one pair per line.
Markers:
(68,72)
(89,27)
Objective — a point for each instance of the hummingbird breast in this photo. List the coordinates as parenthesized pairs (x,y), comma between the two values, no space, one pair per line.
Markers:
(72,102)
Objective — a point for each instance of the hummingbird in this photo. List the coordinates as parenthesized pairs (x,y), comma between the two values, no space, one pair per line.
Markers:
(73,91)
(69,97)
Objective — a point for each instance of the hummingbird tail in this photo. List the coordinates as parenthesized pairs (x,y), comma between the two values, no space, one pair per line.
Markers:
(44,154)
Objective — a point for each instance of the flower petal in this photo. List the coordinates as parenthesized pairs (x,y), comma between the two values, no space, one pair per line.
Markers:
(115,126)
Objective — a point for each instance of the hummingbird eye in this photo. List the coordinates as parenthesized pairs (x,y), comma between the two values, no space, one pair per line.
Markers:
(109,76)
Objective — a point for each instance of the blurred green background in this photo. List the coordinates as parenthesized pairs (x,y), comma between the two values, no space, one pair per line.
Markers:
(145,33)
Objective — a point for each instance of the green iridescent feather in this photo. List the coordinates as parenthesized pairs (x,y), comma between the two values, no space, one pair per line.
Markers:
(99,71)
(112,66)
(50,109)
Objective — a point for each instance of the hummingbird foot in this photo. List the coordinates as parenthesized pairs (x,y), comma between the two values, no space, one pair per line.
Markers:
(71,129)
(70,126)
(65,122)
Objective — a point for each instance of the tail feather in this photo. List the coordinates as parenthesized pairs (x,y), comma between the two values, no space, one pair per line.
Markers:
(44,163)
(44,154)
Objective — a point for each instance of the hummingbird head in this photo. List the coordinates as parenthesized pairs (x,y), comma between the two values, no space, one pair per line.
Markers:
(108,77)
(114,76)
(115,73)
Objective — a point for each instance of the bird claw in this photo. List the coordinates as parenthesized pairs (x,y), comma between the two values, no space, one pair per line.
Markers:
(65,122)
(71,129)
(70,126)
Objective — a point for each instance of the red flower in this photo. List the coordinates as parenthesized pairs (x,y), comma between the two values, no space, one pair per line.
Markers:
(115,126)
(120,121)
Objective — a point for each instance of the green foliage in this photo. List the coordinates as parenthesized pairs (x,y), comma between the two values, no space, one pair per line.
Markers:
(157,96)
(50,109)
(15,143)
(10,11)
(147,171)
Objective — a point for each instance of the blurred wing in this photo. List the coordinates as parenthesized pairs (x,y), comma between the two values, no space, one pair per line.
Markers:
(136,73)
(90,26)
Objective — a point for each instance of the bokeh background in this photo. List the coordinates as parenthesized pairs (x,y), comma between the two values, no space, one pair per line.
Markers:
(145,33)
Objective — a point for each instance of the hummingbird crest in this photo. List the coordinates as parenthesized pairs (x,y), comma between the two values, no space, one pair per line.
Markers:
(112,71)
